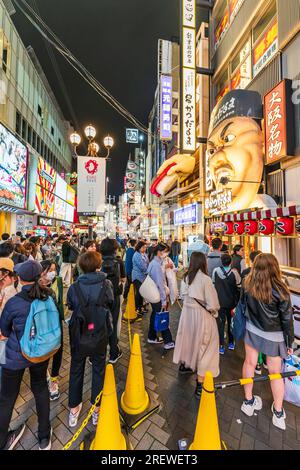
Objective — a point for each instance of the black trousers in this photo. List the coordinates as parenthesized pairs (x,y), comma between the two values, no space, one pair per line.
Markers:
(152,334)
(224,314)
(139,301)
(77,376)
(10,387)
(113,339)
(127,286)
(57,358)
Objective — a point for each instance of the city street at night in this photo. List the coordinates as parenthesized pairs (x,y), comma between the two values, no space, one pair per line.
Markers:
(150,230)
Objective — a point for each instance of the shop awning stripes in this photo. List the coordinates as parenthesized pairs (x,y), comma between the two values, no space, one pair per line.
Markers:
(263,214)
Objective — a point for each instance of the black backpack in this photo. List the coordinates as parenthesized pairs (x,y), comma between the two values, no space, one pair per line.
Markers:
(91,326)
(74,253)
(228,292)
(111,268)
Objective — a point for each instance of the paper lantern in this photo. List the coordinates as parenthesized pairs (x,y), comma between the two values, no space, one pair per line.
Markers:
(228,229)
(239,228)
(251,227)
(285,226)
(266,227)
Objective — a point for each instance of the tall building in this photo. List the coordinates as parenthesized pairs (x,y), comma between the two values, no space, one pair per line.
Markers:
(29,111)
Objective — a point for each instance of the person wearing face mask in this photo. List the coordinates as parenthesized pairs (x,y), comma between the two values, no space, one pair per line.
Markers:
(157,274)
(54,284)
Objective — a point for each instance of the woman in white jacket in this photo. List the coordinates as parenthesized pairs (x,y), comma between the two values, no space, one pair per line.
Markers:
(197,342)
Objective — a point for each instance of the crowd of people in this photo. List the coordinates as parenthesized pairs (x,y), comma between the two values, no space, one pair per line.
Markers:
(98,274)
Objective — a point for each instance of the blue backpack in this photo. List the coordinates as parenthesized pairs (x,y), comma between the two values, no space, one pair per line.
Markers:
(42,333)
(238,322)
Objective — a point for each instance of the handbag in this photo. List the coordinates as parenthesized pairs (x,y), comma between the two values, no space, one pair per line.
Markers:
(238,322)
(161,321)
(2,352)
(203,306)
(149,291)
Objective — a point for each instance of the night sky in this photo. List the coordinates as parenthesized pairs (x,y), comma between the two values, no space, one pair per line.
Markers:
(117,42)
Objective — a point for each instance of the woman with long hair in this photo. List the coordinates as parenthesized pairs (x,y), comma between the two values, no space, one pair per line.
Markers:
(197,342)
(140,263)
(269,330)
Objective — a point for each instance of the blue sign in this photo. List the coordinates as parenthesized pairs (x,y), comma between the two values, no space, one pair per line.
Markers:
(166,108)
(187,215)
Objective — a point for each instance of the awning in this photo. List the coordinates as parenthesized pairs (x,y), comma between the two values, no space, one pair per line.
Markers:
(263,214)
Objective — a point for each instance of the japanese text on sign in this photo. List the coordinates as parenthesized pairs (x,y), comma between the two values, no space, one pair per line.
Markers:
(166,108)
(189,47)
(265,49)
(189,13)
(186,215)
(189,110)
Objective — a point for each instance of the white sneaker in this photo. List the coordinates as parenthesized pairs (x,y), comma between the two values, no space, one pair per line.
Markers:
(169,345)
(73,418)
(249,409)
(278,422)
(155,341)
(95,417)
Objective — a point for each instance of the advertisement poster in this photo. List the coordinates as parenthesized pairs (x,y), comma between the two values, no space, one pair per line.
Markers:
(91,185)
(266,48)
(46,176)
(13,169)
(60,208)
(70,196)
(189,110)
(166,108)
(61,188)
(69,213)
(44,202)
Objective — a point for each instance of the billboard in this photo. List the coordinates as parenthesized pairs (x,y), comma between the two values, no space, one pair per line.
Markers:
(91,185)
(46,175)
(166,108)
(13,169)
(60,208)
(69,213)
(187,215)
(70,195)
(44,202)
(61,188)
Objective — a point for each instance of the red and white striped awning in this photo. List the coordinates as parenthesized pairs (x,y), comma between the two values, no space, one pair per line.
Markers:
(263,214)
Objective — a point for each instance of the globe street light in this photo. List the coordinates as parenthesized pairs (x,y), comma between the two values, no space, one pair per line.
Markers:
(90,132)
(93,147)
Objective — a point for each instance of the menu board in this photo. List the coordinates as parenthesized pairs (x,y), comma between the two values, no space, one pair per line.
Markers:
(13,169)
(60,208)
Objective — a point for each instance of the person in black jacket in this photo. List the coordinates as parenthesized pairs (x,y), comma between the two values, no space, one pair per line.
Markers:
(238,259)
(66,266)
(269,329)
(227,282)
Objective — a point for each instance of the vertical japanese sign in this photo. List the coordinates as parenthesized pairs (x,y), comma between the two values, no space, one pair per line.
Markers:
(279,125)
(188,76)
(166,108)
(91,185)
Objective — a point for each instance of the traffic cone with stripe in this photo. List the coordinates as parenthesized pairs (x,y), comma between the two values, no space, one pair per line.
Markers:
(130,312)
(207,434)
(108,434)
(135,399)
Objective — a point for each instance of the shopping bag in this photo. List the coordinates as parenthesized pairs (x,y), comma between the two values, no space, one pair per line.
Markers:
(2,352)
(149,291)
(292,384)
(173,285)
(161,321)
(238,322)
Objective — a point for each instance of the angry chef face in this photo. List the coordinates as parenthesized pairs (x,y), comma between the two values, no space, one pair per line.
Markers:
(235,151)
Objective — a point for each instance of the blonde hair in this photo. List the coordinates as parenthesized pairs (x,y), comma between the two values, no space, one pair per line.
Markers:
(265,275)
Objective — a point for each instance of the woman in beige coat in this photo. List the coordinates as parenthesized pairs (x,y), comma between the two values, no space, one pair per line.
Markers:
(197,342)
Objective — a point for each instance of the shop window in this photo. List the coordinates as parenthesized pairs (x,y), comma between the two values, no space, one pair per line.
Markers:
(24,129)
(38,144)
(33,142)
(29,134)
(18,123)
(221,22)
(222,86)
(275,187)
(4,52)
(294,252)
(241,65)
(264,22)
(265,40)
(42,149)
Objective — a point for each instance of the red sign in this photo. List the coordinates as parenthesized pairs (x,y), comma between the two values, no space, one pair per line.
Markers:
(279,142)
(221,28)
(228,228)
(239,228)
(266,48)
(285,226)
(266,227)
(251,227)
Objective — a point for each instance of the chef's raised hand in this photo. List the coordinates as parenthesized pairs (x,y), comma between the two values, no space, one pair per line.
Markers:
(184,164)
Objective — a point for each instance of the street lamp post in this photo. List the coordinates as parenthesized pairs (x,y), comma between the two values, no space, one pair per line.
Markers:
(93,151)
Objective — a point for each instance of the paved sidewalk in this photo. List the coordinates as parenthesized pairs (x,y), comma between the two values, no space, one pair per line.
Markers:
(179,408)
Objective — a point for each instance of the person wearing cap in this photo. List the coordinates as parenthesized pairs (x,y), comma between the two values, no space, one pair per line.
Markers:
(7,281)
(12,325)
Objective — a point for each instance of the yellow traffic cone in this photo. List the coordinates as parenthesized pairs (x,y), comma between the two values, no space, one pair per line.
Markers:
(207,434)
(135,399)
(108,434)
(130,312)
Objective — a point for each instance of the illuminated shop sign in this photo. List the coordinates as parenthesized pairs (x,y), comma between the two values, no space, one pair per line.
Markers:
(166,108)
(218,201)
(186,215)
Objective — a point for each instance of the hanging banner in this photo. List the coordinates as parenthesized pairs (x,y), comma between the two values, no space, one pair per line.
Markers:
(166,108)
(279,122)
(189,111)
(189,13)
(189,48)
(91,185)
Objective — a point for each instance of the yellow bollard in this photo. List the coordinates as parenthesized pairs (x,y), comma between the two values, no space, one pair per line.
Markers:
(207,434)
(135,399)
(130,312)
(108,434)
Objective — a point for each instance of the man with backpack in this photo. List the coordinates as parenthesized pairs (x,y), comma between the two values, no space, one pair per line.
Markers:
(70,255)
(91,300)
(26,348)
(227,282)
(214,257)
(114,269)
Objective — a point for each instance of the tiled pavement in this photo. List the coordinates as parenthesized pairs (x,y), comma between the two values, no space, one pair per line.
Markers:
(178,412)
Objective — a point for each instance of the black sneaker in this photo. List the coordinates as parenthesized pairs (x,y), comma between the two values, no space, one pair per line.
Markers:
(185,370)
(14,437)
(113,361)
(45,444)
(198,390)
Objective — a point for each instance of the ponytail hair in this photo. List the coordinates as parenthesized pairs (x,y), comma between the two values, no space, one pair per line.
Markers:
(36,292)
